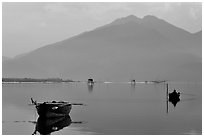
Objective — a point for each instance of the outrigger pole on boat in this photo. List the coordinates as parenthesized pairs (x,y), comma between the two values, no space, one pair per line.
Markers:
(37,103)
(167,94)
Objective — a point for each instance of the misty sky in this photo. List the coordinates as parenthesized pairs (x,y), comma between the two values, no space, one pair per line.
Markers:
(27,26)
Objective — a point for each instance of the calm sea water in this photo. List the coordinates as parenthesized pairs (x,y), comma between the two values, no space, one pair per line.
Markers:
(116,108)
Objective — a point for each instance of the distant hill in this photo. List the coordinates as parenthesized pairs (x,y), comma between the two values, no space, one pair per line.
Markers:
(144,48)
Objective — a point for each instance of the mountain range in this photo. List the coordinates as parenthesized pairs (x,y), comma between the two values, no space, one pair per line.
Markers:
(145,48)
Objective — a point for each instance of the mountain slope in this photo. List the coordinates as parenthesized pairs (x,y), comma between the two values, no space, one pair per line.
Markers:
(4,58)
(147,48)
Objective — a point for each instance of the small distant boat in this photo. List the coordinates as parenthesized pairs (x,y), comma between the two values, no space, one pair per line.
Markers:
(174,96)
(133,82)
(52,109)
(90,81)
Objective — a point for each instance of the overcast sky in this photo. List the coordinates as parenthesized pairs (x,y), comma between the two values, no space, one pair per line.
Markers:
(27,26)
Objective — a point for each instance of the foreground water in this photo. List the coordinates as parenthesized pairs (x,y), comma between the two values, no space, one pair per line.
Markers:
(112,108)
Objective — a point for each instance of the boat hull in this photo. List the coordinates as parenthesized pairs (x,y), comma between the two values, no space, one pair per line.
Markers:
(49,110)
(174,96)
(90,82)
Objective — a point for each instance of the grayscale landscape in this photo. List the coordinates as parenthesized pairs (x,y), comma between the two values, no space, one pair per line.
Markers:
(134,62)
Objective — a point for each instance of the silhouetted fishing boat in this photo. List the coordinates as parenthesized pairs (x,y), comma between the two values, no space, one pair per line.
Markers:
(174,97)
(52,109)
(133,82)
(90,81)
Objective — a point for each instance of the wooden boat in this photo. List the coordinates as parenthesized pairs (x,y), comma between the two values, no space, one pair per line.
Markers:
(52,109)
(174,97)
(133,82)
(90,81)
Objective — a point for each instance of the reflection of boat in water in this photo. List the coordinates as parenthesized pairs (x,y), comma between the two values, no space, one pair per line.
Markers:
(52,109)
(174,97)
(90,84)
(90,87)
(46,126)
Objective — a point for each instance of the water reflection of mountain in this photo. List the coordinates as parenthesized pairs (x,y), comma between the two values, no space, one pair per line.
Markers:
(46,126)
(132,86)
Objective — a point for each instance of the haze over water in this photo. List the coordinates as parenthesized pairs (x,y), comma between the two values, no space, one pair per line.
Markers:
(111,108)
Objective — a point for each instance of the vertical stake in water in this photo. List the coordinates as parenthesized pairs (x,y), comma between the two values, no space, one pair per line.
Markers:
(167,88)
(167,97)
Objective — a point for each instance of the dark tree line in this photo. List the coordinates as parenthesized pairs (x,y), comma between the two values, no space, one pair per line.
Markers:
(34,80)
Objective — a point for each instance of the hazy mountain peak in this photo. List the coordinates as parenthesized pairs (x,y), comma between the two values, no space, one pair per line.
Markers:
(135,19)
(150,17)
(131,17)
(147,47)
(153,19)
(123,20)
